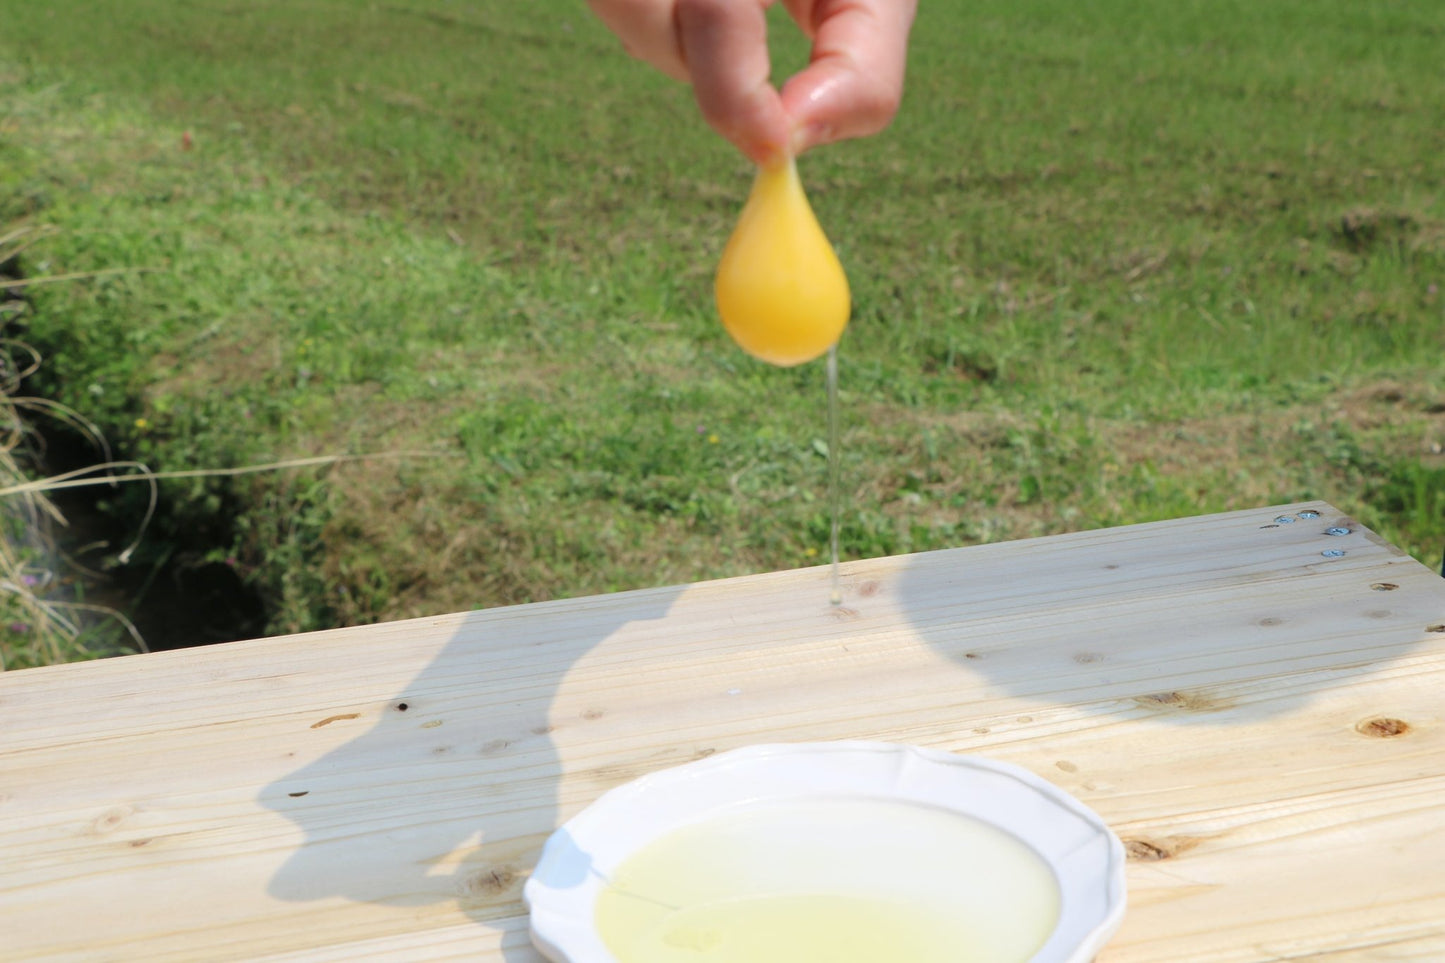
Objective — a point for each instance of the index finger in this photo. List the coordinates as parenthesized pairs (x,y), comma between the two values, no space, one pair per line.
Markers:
(725,46)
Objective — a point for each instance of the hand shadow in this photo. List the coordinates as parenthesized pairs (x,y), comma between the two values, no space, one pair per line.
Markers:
(448,797)
(1213,621)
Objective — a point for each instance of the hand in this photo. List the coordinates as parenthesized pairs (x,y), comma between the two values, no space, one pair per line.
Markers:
(851,87)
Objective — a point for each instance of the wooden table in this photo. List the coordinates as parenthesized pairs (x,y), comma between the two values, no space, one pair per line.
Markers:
(1259,719)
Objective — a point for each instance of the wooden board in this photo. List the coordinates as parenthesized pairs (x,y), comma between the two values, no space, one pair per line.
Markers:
(1261,723)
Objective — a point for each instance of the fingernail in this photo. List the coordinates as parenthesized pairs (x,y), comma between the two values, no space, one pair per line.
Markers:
(811,135)
(798,141)
(766,154)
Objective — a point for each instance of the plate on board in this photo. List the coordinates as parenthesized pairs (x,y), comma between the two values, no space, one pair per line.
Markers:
(840,850)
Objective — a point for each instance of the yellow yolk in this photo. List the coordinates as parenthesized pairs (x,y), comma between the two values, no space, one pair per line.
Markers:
(780,290)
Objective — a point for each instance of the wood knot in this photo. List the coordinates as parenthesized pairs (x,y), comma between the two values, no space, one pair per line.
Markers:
(1182,701)
(1437,627)
(1163,847)
(110,819)
(487,883)
(1382,727)
(1384,586)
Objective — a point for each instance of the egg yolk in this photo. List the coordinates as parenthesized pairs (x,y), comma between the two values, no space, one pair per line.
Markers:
(781,292)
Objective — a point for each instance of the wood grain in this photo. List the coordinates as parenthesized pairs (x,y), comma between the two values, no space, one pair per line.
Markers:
(1261,724)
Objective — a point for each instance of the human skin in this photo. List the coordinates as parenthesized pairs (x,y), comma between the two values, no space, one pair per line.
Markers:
(851,87)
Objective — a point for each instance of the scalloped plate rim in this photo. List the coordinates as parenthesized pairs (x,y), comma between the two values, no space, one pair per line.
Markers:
(560,906)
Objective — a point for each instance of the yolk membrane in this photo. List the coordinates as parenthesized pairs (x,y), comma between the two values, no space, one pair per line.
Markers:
(781,291)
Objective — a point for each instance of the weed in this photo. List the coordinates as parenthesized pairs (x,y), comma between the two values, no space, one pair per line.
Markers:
(41,619)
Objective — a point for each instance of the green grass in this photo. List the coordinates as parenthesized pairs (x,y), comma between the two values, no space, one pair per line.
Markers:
(1114,262)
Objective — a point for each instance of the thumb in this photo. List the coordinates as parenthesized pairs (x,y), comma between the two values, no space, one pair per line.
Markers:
(854,83)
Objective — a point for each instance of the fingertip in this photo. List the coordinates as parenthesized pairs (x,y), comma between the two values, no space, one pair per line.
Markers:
(767,155)
(758,125)
(828,103)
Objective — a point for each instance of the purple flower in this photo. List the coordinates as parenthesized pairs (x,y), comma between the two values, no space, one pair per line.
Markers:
(19,628)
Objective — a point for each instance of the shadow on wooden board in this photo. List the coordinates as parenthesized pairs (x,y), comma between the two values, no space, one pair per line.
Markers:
(442,805)
(1190,622)
(448,799)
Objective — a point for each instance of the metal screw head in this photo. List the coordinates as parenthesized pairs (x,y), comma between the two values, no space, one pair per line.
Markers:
(1333,552)
(1337,531)
(1309,513)
(1285,519)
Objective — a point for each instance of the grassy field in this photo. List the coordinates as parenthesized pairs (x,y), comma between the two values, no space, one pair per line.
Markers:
(1115,261)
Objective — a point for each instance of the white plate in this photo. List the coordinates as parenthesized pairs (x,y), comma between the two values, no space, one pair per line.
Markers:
(1086,858)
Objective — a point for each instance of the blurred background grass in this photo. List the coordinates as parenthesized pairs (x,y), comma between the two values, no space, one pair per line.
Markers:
(1115,261)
